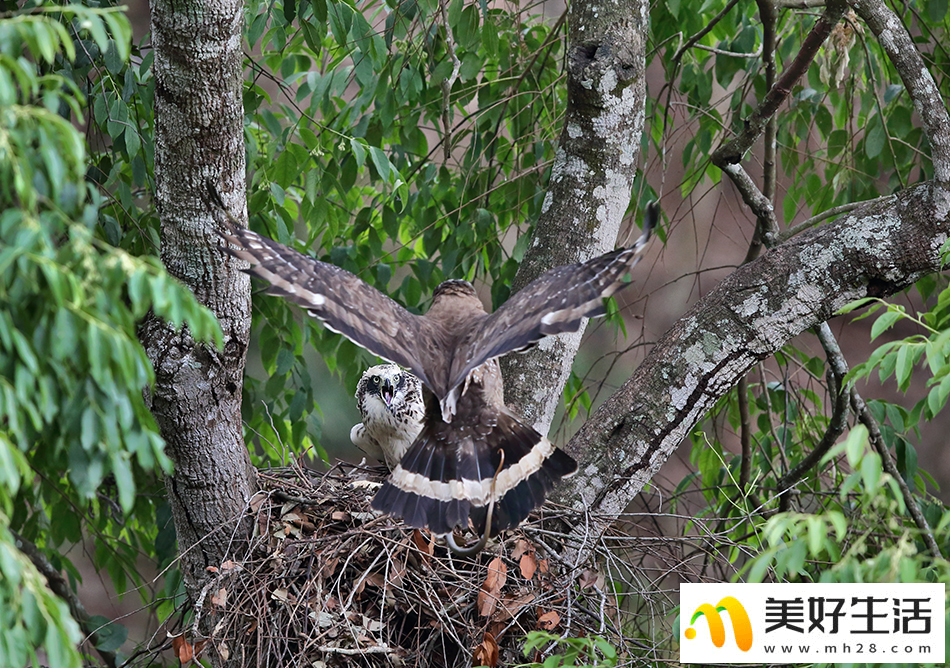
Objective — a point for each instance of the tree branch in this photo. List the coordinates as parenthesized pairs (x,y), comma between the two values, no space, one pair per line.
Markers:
(877,442)
(837,370)
(876,251)
(732,152)
(900,48)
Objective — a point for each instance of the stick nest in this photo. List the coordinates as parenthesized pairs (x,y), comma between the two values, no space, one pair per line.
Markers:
(331,582)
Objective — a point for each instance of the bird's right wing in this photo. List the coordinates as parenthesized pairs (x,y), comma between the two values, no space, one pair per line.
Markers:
(554,303)
(344,303)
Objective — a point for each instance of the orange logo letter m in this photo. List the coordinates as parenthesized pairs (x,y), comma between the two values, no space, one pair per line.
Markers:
(741,626)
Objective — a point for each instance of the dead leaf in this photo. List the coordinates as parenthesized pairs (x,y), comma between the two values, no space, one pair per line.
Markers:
(397,571)
(228,566)
(543,566)
(212,569)
(257,501)
(287,507)
(328,567)
(511,606)
(486,654)
(340,516)
(199,648)
(489,594)
(372,625)
(521,547)
(528,565)
(427,547)
(220,598)
(183,649)
(549,620)
(223,651)
(378,580)
(284,596)
(589,579)
(323,618)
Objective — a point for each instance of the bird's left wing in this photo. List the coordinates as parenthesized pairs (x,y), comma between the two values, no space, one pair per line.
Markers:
(340,299)
(554,303)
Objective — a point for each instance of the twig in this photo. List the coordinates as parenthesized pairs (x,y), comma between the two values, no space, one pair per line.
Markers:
(355,651)
(688,44)
(837,369)
(745,433)
(732,152)
(928,102)
(877,440)
(448,82)
(755,200)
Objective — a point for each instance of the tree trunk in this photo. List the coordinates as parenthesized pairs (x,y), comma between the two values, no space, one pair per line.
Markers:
(591,181)
(199,136)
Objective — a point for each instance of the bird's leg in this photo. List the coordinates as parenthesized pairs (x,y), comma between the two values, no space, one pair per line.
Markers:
(478,546)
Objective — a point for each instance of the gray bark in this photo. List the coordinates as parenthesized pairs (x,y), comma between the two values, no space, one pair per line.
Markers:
(196,398)
(591,180)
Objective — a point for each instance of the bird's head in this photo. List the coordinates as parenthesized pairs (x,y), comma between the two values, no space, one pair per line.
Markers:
(388,385)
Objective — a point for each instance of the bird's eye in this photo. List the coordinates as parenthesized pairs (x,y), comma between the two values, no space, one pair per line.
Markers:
(375,380)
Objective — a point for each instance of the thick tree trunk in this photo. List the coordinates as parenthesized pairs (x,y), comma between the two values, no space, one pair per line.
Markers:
(196,399)
(591,180)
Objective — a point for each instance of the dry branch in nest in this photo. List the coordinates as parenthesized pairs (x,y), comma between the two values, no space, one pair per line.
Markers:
(330,582)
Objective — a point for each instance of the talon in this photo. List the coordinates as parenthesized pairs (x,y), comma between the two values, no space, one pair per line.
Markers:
(480,544)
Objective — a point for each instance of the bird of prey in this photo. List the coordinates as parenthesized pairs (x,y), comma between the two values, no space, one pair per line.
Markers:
(390,401)
(473,454)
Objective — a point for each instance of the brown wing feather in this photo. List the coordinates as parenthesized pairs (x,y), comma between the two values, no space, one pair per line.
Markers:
(345,303)
(555,302)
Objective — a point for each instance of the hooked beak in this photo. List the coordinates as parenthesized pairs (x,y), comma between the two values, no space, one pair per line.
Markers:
(387,391)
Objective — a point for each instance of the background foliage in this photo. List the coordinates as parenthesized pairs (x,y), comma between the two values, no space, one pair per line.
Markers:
(410,142)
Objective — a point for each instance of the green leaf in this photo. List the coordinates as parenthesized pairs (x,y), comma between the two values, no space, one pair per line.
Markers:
(381,162)
(855,305)
(885,321)
(875,140)
(359,153)
(111,634)
(313,34)
(936,10)
(290,10)
(285,360)
(855,444)
(125,482)
(256,28)
(871,471)
(905,365)
(319,10)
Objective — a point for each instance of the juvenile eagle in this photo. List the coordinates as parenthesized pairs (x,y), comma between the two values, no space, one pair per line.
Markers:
(472,450)
(390,401)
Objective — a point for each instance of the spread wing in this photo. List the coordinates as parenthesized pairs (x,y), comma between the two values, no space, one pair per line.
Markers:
(341,300)
(555,302)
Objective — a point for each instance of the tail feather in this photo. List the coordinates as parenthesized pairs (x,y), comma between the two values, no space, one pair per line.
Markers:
(453,472)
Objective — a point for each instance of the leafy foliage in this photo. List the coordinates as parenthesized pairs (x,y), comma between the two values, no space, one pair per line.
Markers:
(589,651)
(368,147)
(78,445)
